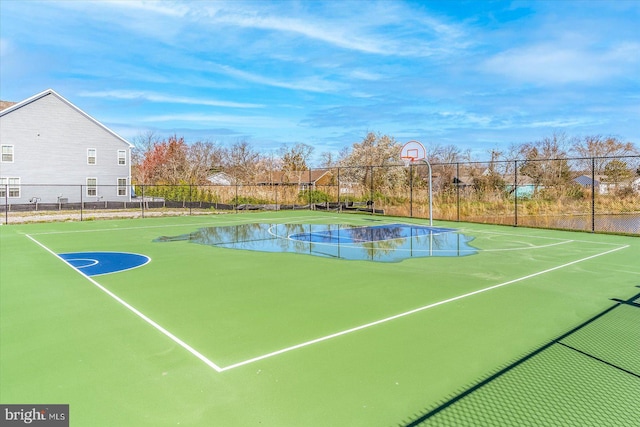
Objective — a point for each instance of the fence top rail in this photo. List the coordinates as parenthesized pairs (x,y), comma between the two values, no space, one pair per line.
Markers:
(486,162)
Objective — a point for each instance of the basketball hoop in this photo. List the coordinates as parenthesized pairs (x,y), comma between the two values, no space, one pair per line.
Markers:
(412,153)
(408,160)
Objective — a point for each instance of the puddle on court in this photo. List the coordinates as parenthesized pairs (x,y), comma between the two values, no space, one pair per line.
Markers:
(381,243)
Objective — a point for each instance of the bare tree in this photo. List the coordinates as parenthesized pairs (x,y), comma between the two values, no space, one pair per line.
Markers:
(617,171)
(545,161)
(598,148)
(242,161)
(295,158)
(444,159)
(327,160)
(268,164)
(203,159)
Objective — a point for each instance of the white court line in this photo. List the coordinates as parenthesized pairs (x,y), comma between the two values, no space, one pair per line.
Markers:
(195,224)
(91,264)
(317,340)
(357,244)
(135,311)
(475,250)
(407,313)
(497,233)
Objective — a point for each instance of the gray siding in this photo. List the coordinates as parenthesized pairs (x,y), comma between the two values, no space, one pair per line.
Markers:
(50,138)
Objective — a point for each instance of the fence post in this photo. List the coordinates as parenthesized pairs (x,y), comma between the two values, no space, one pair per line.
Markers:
(190,198)
(309,190)
(458,189)
(515,189)
(410,190)
(339,206)
(593,194)
(371,191)
(6,203)
(81,202)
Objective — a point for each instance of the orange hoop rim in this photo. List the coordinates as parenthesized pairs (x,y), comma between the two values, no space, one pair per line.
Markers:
(408,160)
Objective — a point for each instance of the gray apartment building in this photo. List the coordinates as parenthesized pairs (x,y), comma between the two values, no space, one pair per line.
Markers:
(53,152)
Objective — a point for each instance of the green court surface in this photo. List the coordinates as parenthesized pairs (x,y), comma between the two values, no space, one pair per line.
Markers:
(538,327)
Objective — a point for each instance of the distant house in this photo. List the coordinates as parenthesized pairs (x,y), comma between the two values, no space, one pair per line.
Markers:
(525,188)
(467,176)
(304,179)
(607,187)
(221,178)
(463,181)
(52,151)
(604,186)
(587,181)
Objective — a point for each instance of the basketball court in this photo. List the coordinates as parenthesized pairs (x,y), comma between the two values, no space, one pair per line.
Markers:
(310,318)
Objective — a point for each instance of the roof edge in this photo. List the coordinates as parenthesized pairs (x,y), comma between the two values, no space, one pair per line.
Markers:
(66,101)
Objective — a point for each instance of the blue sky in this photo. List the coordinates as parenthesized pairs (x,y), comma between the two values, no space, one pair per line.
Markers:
(477,74)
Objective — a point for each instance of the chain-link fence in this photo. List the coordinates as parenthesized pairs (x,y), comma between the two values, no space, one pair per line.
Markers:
(599,194)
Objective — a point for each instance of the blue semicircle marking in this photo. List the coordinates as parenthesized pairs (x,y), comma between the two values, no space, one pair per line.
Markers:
(96,263)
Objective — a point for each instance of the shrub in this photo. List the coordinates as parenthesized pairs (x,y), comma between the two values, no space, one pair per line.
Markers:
(313,196)
(575,192)
(248,200)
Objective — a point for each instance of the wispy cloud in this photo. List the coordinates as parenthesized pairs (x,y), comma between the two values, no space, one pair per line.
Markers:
(311,84)
(154,97)
(365,75)
(371,32)
(561,123)
(560,64)
(203,119)
(327,33)
(172,9)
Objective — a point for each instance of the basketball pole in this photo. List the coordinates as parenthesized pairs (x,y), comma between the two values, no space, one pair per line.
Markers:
(406,154)
(430,194)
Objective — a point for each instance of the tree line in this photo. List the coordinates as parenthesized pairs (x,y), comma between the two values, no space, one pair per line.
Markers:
(172,161)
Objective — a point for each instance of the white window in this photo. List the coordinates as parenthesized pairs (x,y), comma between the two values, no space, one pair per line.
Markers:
(122,186)
(7,153)
(92,156)
(122,157)
(92,187)
(10,184)
(14,187)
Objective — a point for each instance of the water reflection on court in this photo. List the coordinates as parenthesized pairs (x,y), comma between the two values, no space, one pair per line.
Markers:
(382,243)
